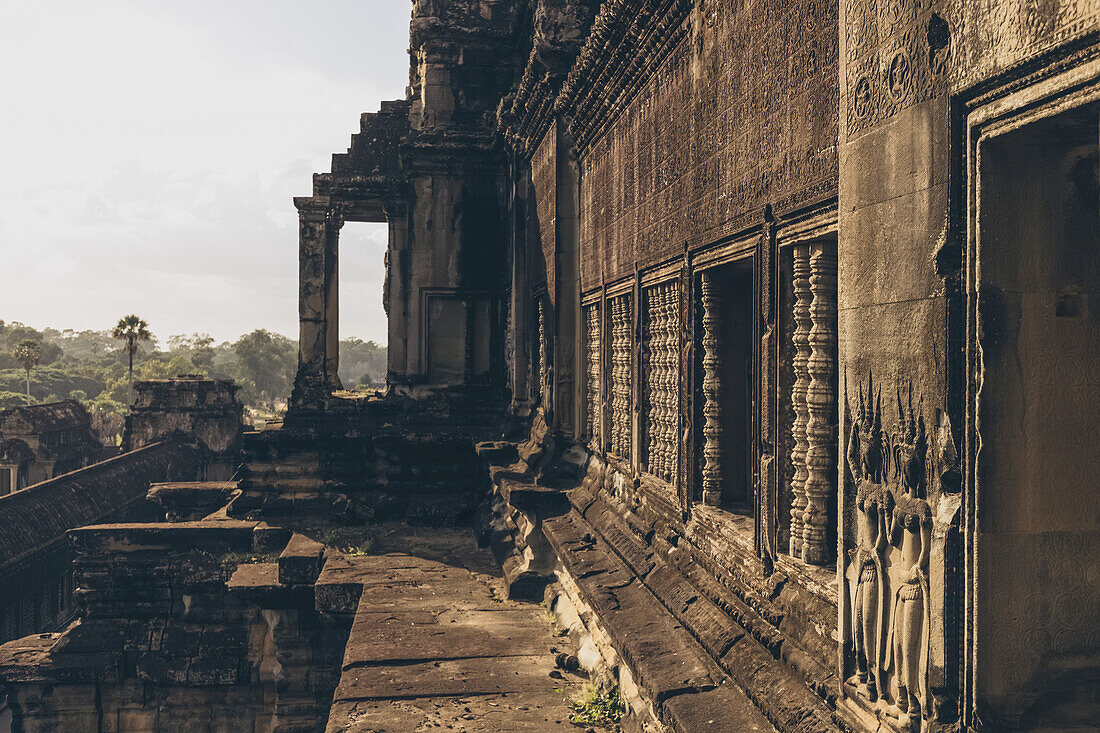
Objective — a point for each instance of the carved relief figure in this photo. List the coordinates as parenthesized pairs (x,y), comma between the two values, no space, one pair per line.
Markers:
(867,456)
(911,532)
(888,570)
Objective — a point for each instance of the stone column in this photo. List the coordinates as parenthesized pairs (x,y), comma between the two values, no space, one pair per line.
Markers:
(801,340)
(318,232)
(395,293)
(333,224)
(709,294)
(821,399)
(521,293)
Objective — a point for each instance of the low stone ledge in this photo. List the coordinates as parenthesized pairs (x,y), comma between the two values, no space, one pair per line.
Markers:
(187,501)
(340,584)
(531,498)
(46,659)
(300,563)
(160,539)
(664,658)
(715,710)
(268,539)
(589,551)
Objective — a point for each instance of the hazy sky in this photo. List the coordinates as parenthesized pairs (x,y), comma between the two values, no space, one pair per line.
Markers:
(149,152)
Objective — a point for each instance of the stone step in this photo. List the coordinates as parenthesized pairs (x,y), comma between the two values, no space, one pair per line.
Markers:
(670,666)
(781,696)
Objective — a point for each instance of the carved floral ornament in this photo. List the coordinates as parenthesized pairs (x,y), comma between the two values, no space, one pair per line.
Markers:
(888,568)
(862,97)
(900,75)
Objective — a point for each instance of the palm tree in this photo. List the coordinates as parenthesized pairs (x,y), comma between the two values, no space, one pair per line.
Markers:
(28,353)
(132,330)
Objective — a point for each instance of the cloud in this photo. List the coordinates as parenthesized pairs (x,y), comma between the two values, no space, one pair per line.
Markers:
(151,152)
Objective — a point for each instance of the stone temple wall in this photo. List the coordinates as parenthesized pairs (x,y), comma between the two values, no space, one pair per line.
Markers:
(799,298)
(741,113)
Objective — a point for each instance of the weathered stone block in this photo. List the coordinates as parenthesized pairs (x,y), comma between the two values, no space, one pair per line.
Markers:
(300,563)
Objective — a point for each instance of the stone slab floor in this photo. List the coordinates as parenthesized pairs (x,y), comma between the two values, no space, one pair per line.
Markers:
(434,646)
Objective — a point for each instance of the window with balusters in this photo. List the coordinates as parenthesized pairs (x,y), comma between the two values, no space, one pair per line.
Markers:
(593,352)
(661,379)
(621,370)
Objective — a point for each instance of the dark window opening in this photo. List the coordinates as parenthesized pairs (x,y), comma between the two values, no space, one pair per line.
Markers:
(726,303)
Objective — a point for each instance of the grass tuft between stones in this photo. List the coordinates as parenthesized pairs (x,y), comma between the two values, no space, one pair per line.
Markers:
(243,558)
(597,707)
(354,541)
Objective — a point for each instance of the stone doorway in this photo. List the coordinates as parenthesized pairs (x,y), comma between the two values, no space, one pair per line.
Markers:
(1036,278)
(362,315)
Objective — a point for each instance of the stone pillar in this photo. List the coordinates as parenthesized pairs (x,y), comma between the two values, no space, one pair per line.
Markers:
(521,350)
(821,399)
(396,292)
(333,223)
(801,339)
(709,294)
(318,302)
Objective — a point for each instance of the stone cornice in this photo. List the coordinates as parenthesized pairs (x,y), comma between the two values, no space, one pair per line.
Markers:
(559,33)
(524,117)
(628,42)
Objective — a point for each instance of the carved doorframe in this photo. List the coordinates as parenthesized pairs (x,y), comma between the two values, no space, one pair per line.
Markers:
(1019,99)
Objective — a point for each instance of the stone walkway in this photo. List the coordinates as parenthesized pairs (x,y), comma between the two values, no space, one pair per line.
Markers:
(434,646)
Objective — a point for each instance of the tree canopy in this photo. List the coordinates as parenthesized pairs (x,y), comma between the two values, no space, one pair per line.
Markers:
(92,366)
(132,331)
(268,360)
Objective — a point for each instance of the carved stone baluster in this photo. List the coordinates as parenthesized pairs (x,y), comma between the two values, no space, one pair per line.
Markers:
(660,381)
(801,339)
(821,399)
(647,375)
(672,389)
(616,375)
(712,450)
(627,398)
(664,441)
(628,377)
(592,318)
(544,354)
(620,358)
